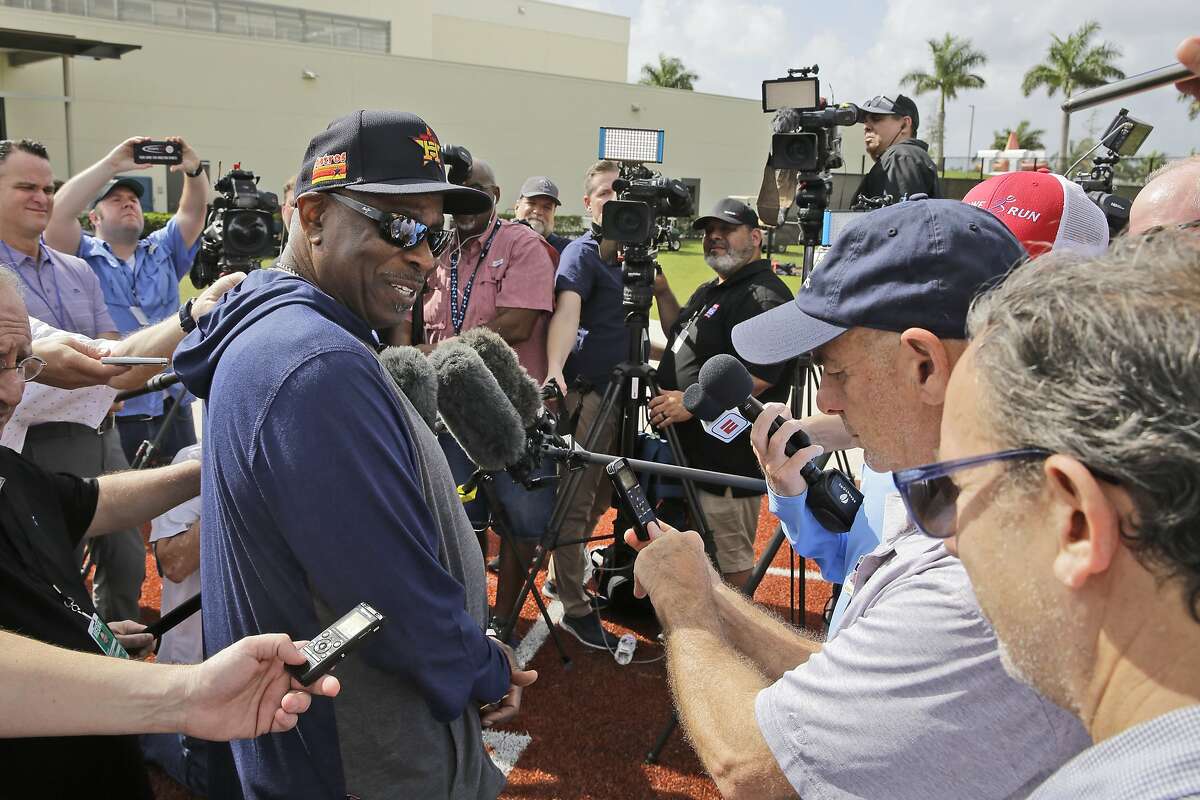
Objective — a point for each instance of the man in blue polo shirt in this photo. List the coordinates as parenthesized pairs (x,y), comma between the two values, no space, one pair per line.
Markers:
(586,339)
(139,274)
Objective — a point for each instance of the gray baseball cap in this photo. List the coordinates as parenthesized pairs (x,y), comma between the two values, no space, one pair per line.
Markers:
(540,186)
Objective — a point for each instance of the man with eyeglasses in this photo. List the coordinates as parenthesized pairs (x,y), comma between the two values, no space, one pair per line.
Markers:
(908,698)
(43,518)
(324,489)
(902,164)
(1071,492)
(497,274)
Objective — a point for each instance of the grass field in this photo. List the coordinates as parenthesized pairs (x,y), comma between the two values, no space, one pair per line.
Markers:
(684,269)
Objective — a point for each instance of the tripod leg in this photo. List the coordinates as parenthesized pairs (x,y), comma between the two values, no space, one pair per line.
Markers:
(502,524)
(663,738)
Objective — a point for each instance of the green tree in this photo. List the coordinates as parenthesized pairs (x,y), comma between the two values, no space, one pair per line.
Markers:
(1193,106)
(1073,63)
(1028,138)
(953,60)
(670,73)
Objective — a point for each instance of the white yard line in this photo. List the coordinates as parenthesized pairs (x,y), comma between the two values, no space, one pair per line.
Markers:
(505,748)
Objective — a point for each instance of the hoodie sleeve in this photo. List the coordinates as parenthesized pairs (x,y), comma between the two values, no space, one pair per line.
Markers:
(333,459)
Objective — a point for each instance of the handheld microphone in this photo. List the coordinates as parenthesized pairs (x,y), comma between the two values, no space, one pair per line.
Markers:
(413,375)
(157,383)
(520,389)
(475,410)
(726,383)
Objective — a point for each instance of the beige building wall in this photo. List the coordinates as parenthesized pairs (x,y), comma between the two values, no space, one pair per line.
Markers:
(242,100)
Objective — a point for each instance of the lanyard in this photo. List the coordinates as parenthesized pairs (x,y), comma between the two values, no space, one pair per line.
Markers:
(458,315)
(60,316)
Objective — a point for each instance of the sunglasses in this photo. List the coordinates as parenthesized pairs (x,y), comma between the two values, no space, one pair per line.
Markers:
(882,101)
(930,495)
(397,229)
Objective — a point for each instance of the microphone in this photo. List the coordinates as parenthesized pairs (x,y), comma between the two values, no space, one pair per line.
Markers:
(475,410)
(413,375)
(501,360)
(157,383)
(725,383)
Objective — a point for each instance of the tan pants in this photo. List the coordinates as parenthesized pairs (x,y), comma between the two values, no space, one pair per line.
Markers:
(592,498)
(734,521)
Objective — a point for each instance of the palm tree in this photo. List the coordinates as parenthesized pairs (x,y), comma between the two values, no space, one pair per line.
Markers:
(1073,63)
(953,60)
(1028,138)
(670,73)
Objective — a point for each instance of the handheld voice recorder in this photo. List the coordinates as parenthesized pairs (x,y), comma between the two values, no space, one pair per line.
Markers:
(632,498)
(333,644)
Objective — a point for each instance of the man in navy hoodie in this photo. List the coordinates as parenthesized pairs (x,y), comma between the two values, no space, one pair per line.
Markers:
(323,489)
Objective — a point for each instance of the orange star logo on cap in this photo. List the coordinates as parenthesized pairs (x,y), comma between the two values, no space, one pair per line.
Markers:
(432,149)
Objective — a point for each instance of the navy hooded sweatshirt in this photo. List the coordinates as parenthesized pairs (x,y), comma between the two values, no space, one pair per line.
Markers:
(312,503)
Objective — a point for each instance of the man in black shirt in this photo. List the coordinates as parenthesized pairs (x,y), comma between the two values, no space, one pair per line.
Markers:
(745,287)
(43,517)
(902,163)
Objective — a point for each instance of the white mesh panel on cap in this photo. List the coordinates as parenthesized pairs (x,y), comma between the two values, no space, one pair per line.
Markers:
(1083,228)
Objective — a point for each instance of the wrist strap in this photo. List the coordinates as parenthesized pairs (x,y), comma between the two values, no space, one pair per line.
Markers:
(199,171)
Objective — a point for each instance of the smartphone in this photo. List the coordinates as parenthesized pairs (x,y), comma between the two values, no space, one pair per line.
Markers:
(157,152)
(632,498)
(134,361)
(335,642)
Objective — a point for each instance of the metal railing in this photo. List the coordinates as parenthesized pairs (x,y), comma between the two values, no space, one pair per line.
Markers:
(232,17)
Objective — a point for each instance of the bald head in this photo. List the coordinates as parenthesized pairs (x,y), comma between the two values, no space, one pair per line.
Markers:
(1171,197)
(484,179)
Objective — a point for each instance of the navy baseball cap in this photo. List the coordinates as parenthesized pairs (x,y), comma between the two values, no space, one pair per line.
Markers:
(729,211)
(917,264)
(383,152)
(132,185)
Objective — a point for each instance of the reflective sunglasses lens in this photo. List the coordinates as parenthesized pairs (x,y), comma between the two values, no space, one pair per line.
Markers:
(30,368)
(437,241)
(933,506)
(405,232)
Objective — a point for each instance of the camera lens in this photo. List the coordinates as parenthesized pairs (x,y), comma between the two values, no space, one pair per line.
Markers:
(246,234)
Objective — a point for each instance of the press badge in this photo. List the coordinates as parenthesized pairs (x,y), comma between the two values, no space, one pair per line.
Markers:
(139,315)
(103,636)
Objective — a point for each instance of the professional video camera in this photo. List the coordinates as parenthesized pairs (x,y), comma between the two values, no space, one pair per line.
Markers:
(805,149)
(643,197)
(240,230)
(1122,139)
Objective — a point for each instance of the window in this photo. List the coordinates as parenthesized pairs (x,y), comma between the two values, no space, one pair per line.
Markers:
(136,10)
(201,15)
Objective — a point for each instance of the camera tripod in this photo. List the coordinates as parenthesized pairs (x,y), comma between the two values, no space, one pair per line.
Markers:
(631,385)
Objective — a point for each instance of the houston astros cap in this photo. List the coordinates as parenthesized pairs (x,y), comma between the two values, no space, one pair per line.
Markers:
(1044,211)
(729,211)
(383,152)
(917,264)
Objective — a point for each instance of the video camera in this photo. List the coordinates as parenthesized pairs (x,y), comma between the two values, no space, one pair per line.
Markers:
(1123,138)
(643,197)
(805,148)
(240,229)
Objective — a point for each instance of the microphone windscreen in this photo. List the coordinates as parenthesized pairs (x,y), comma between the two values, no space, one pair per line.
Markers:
(701,405)
(520,389)
(725,380)
(414,376)
(785,120)
(475,410)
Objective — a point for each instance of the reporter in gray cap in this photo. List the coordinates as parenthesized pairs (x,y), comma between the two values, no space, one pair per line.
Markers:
(537,206)
(909,697)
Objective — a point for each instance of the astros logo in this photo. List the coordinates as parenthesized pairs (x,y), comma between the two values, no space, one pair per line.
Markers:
(428,142)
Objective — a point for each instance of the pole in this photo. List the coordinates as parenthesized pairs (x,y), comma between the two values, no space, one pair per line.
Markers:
(67,113)
(971,136)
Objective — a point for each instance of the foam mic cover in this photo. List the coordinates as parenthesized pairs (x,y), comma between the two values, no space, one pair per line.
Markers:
(520,389)
(785,120)
(474,408)
(413,375)
(701,405)
(726,381)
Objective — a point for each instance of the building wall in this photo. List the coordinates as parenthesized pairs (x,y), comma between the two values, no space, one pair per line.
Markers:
(244,100)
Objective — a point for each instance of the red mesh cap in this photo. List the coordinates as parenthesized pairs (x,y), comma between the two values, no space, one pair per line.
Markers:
(1044,211)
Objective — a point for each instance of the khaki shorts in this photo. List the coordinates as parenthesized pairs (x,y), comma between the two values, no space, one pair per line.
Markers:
(734,521)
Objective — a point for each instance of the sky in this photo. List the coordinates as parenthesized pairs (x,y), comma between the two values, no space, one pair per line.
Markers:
(864,47)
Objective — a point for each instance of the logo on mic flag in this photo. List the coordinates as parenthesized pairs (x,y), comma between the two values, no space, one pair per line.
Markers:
(726,427)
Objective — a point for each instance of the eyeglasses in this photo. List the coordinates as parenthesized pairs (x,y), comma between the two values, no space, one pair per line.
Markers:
(398,229)
(881,104)
(28,368)
(930,495)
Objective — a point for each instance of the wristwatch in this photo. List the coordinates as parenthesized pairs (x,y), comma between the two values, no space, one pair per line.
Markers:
(185,317)
(199,171)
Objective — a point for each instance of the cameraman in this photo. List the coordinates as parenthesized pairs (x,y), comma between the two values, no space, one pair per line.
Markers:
(902,163)
(139,275)
(744,287)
